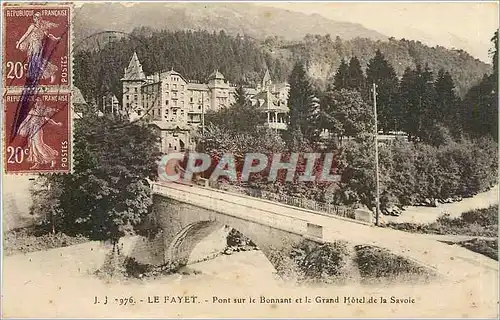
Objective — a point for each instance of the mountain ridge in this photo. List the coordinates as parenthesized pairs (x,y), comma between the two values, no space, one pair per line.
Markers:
(235,18)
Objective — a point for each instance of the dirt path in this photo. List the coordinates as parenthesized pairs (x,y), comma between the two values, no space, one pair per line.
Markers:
(428,214)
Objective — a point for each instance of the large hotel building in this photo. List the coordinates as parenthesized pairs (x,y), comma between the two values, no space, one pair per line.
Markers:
(175,105)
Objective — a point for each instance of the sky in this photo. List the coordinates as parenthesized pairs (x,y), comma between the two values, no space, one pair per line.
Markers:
(464,25)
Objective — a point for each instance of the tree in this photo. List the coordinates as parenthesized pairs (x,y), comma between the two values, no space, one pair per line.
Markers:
(494,53)
(107,195)
(417,101)
(237,118)
(480,105)
(301,104)
(240,97)
(446,110)
(341,76)
(355,77)
(346,114)
(380,72)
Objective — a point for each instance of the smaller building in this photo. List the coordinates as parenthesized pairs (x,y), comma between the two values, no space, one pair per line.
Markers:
(111,105)
(174,137)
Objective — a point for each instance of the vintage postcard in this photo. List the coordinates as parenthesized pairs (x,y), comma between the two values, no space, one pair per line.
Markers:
(250,160)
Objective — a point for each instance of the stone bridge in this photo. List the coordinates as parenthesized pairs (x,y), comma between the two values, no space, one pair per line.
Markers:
(187,214)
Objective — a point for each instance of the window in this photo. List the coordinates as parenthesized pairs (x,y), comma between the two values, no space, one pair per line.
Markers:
(135,97)
(199,107)
(174,112)
(135,90)
(174,86)
(166,86)
(128,97)
(166,102)
(191,99)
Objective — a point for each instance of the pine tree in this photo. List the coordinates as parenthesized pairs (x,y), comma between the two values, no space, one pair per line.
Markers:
(427,104)
(417,101)
(300,103)
(446,110)
(355,77)
(340,79)
(407,99)
(480,105)
(494,52)
(380,72)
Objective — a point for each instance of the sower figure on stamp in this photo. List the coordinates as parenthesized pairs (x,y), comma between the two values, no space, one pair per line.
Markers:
(34,42)
(32,129)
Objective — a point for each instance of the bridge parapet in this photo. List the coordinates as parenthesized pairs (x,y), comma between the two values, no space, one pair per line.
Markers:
(235,205)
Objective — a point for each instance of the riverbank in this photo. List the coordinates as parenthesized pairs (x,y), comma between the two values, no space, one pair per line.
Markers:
(418,214)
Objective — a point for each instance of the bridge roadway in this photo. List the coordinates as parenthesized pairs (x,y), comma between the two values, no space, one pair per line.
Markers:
(451,261)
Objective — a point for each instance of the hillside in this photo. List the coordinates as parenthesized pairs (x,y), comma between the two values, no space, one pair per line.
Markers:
(322,55)
(244,59)
(235,18)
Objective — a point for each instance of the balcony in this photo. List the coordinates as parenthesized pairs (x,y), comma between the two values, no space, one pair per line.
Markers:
(276,125)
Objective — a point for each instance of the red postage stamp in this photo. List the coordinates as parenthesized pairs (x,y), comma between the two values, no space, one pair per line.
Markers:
(36,45)
(37,140)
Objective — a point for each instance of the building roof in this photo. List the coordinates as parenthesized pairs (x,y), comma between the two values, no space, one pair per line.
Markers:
(198,86)
(216,75)
(170,126)
(250,91)
(172,73)
(77,96)
(266,79)
(134,70)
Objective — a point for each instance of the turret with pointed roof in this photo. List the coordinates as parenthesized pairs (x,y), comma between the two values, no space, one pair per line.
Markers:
(266,80)
(216,75)
(134,70)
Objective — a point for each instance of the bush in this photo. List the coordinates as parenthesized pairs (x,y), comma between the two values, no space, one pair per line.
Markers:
(322,262)
(29,240)
(375,263)
(484,217)
(488,248)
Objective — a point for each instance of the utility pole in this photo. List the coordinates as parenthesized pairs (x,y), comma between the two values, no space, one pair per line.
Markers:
(377,182)
(202,115)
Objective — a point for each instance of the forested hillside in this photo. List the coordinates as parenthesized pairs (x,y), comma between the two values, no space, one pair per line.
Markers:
(322,56)
(243,60)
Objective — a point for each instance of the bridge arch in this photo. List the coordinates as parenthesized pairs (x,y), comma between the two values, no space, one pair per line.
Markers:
(178,250)
(184,226)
